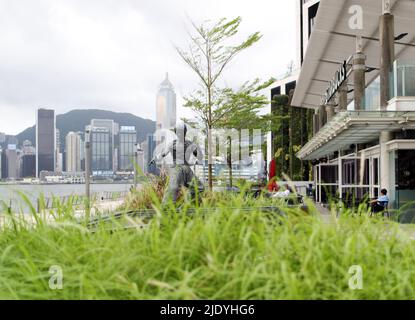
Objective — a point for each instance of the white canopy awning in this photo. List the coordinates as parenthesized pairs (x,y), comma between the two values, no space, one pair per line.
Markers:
(354,127)
(332,41)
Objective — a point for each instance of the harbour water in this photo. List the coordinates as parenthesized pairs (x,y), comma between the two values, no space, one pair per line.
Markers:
(10,193)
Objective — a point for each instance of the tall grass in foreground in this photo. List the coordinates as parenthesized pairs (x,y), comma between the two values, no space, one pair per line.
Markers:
(214,253)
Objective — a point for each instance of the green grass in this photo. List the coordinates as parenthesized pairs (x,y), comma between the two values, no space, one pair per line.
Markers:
(223,254)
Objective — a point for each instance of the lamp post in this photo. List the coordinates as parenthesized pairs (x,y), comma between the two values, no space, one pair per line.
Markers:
(139,158)
(135,164)
(88,170)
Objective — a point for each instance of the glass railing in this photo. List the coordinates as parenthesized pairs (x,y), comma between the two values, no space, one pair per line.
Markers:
(372,96)
(402,79)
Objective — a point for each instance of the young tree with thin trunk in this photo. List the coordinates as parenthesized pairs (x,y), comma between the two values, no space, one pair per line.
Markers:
(209,54)
(241,111)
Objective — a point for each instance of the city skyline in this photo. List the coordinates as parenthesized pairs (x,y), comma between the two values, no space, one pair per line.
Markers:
(119,53)
(291,178)
(113,149)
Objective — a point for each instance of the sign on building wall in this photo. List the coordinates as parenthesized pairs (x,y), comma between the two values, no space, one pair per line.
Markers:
(334,86)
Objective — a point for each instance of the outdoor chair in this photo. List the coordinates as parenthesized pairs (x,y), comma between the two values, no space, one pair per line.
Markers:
(385,205)
(381,207)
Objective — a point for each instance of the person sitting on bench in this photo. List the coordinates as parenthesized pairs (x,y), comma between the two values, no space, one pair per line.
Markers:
(381,203)
(286,193)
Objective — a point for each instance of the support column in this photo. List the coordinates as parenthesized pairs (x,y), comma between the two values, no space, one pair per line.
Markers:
(385,170)
(387,53)
(387,56)
(322,116)
(329,112)
(315,122)
(318,200)
(342,97)
(359,71)
(340,173)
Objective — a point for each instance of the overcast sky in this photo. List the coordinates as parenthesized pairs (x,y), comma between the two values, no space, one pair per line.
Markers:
(113,54)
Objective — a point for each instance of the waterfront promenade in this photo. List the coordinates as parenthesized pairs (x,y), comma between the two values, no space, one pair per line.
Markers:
(104,207)
(11,194)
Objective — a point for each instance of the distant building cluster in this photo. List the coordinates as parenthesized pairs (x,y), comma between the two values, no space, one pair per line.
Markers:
(14,162)
(114,148)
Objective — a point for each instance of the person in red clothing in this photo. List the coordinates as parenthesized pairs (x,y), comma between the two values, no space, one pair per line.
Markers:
(272,184)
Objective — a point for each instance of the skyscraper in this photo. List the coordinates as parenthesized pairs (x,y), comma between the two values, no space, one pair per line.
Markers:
(112,128)
(58,155)
(82,151)
(2,138)
(12,162)
(166,105)
(73,152)
(45,141)
(28,160)
(127,148)
(101,155)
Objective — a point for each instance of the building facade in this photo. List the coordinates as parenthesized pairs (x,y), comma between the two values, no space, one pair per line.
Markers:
(12,162)
(59,153)
(101,151)
(306,18)
(3,174)
(127,148)
(45,141)
(28,163)
(28,160)
(358,77)
(2,139)
(73,152)
(296,122)
(112,128)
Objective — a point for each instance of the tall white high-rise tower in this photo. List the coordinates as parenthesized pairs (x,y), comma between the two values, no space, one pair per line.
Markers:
(166,105)
(73,152)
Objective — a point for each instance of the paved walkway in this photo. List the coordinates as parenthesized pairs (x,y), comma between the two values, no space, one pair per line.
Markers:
(328,217)
(102,207)
(105,206)
(325,213)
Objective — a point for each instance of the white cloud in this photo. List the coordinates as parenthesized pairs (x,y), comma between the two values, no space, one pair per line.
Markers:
(113,54)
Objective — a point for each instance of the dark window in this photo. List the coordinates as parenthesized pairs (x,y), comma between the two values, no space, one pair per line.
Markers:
(312,14)
(290,86)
